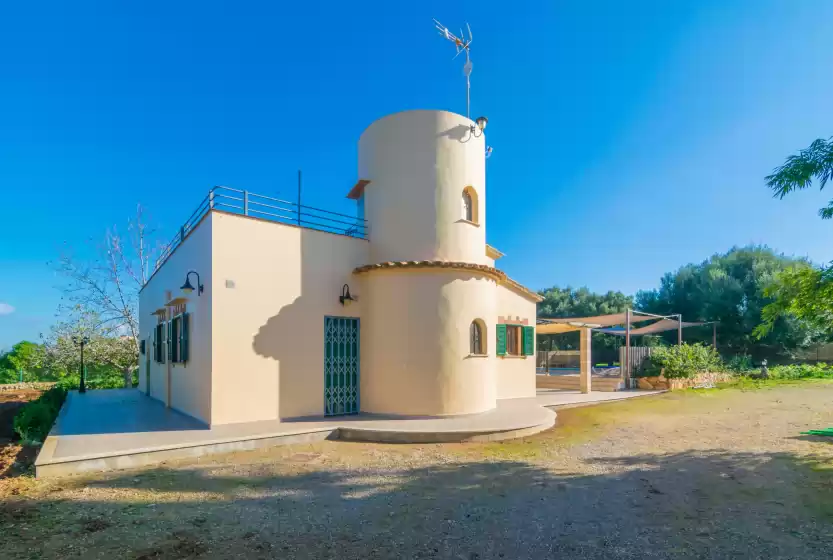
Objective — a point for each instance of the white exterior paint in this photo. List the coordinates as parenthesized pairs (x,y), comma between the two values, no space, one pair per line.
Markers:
(257,332)
(418,163)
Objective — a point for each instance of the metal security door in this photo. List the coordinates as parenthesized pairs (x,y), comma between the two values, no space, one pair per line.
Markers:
(341,365)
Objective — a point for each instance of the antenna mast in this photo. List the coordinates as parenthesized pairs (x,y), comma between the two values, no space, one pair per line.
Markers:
(462,46)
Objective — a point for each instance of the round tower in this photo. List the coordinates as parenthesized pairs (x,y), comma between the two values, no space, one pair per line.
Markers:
(424,167)
(428,280)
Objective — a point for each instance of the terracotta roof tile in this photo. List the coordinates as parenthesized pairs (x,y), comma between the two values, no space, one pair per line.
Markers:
(498,275)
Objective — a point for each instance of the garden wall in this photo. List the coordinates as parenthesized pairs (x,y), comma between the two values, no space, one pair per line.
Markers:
(661,383)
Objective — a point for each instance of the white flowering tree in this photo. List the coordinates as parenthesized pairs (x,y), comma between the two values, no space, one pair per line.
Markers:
(101,297)
(104,347)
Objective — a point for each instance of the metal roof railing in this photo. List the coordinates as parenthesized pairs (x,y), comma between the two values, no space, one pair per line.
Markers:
(265,207)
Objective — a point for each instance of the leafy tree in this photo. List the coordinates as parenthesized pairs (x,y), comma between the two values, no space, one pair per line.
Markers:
(798,171)
(731,289)
(803,292)
(24,356)
(581,302)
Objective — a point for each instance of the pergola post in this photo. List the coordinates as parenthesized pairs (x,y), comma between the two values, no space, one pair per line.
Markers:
(627,364)
(585,360)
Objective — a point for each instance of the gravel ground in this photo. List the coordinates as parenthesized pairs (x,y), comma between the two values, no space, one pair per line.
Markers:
(709,474)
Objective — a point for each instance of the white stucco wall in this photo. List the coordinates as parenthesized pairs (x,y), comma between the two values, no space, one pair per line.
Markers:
(415,342)
(418,163)
(191,382)
(269,327)
(515,375)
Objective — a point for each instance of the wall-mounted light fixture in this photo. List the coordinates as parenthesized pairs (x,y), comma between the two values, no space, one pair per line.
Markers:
(187,287)
(476,129)
(481,123)
(346,298)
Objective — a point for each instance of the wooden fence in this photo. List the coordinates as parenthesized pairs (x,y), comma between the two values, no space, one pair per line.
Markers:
(638,355)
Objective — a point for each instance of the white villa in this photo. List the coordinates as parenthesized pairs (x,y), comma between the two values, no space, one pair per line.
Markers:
(297,312)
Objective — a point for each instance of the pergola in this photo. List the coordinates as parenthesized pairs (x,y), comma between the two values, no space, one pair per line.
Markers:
(608,324)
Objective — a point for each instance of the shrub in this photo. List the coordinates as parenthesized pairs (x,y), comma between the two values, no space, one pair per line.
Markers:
(802,371)
(35,419)
(682,361)
(740,363)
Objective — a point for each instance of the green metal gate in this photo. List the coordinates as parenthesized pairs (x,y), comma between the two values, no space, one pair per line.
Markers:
(341,365)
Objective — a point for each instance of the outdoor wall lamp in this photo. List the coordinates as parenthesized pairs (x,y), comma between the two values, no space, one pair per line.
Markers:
(481,123)
(187,287)
(345,298)
(476,129)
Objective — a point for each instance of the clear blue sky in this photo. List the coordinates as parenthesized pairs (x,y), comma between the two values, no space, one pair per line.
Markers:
(630,137)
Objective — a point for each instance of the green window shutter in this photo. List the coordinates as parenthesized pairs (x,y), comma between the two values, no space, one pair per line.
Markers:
(168,340)
(529,341)
(183,338)
(500,333)
(155,355)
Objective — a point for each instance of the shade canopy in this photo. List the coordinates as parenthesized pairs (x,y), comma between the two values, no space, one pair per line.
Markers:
(558,325)
(660,326)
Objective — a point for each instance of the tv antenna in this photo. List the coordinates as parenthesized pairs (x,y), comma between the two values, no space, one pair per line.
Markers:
(462,46)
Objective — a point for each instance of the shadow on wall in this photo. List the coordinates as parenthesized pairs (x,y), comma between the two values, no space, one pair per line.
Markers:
(696,504)
(294,337)
(460,132)
(284,338)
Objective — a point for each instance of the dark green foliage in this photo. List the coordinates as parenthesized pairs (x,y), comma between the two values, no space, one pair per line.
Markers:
(569,302)
(35,419)
(740,363)
(731,289)
(683,361)
(24,356)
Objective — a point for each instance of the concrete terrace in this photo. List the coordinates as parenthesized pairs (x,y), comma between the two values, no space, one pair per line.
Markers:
(123,428)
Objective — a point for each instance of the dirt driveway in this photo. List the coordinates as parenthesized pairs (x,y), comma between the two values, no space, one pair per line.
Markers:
(719,474)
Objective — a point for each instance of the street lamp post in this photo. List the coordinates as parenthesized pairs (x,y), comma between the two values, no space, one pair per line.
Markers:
(81,341)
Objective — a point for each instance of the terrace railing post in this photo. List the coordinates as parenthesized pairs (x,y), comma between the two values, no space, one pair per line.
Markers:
(211,199)
(299,197)
(245,203)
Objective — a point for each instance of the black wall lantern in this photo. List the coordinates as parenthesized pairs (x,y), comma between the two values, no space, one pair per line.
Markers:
(345,298)
(187,287)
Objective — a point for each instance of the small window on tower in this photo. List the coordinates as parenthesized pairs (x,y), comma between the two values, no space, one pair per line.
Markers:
(467,215)
(470,205)
(477,339)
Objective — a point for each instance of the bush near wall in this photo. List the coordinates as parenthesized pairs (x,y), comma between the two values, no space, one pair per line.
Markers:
(35,419)
(802,371)
(681,362)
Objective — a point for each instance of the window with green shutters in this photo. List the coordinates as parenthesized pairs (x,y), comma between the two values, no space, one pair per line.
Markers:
(500,333)
(183,337)
(529,341)
(515,340)
(158,338)
(169,339)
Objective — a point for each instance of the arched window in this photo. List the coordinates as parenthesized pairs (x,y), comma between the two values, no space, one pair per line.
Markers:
(471,207)
(468,206)
(477,337)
